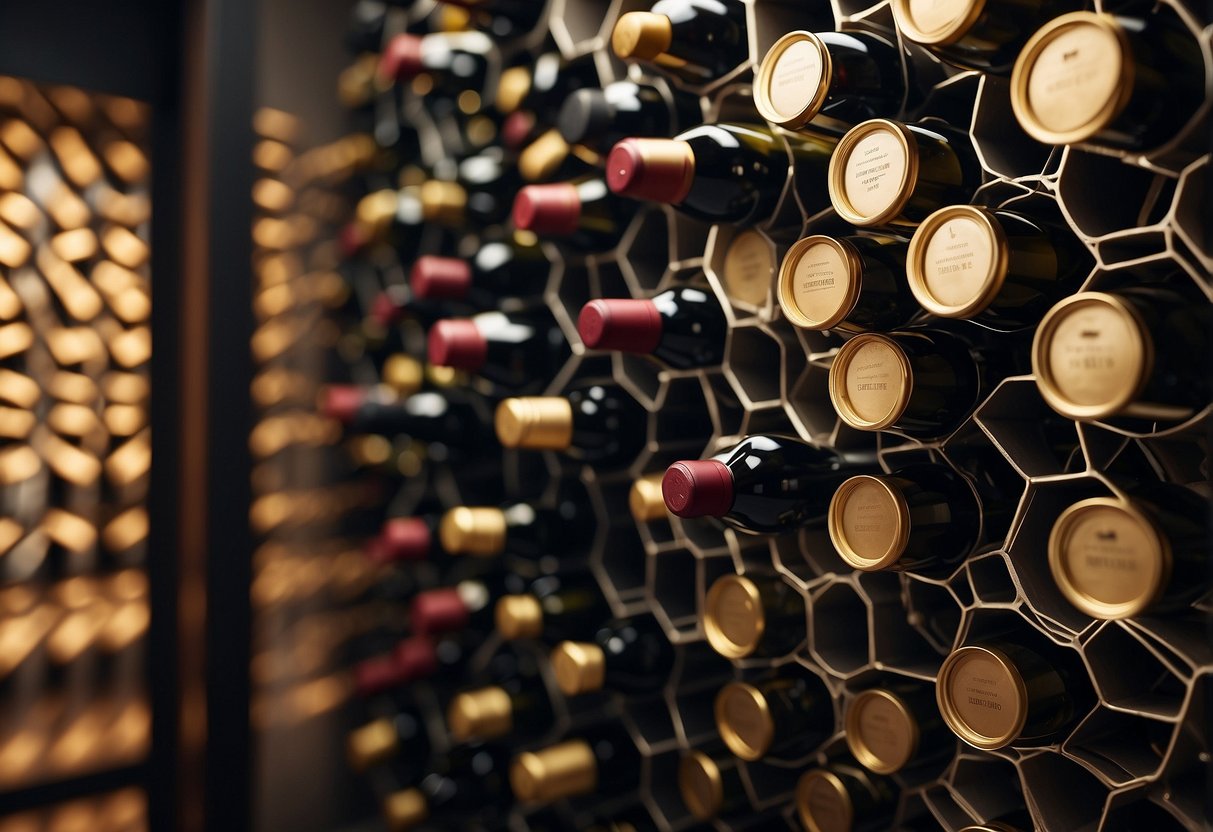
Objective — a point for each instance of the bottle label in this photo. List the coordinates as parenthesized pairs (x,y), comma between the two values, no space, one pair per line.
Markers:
(870,520)
(822,281)
(985,697)
(795,78)
(1075,77)
(1095,355)
(884,731)
(874,381)
(958,262)
(748,268)
(1110,556)
(934,20)
(874,177)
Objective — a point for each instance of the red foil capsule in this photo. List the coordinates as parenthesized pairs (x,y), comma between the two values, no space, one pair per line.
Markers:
(698,488)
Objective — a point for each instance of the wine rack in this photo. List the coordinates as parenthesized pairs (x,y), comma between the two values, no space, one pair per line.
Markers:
(1137,756)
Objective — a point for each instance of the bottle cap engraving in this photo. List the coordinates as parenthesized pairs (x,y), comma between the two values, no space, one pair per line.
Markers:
(957,261)
(793,80)
(744,720)
(936,22)
(881,731)
(823,802)
(1108,558)
(873,172)
(749,262)
(733,616)
(869,522)
(982,697)
(700,784)
(820,279)
(870,382)
(1072,78)
(1091,356)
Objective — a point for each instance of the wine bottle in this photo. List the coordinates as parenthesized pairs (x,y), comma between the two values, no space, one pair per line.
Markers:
(896,725)
(403,539)
(516,706)
(461,63)
(481,193)
(401,739)
(517,351)
(986,35)
(710,785)
(845,77)
(921,382)
(543,85)
(592,423)
(1139,352)
(838,791)
(1129,83)
(684,328)
(753,615)
(452,417)
(764,485)
(411,659)
(998,268)
(645,501)
(465,785)
(1119,557)
(520,529)
(598,118)
(733,173)
(921,518)
(508,18)
(469,605)
(695,41)
(499,269)
(602,760)
(554,608)
(364,30)
(582,214)
(632,657)
(886,173)
(1001,693)
(782,718)
(847,284)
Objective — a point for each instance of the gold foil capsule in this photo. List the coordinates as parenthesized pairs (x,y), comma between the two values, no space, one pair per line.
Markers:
(579,667)
(558,771)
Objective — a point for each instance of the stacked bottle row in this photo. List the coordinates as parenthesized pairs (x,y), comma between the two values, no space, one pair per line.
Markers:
(858,541)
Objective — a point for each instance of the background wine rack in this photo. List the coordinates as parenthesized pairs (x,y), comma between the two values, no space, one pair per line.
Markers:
(1137,756)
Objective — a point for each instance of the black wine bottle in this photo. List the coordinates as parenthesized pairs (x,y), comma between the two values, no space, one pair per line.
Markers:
(753,615)
(601,760)
(459,62)
(514,706)
(596,423)
(452,417)
(553,608)
(409,660)
(542,85)
(404,539)
(464,786)
(632,657)
(467,606)
(782,717)
(506,18)
(764,485)
(520,529)
(583,214)
(684,328)
(732,173)
(843,791)
(694,40)
(400,739)
(499,269)
(599,118)
(518,351)
(894,724)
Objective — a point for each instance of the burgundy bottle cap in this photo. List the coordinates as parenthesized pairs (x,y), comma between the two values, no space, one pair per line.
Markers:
(516,129)
(402,538)
(351,239)
(341,401)
(456,342)
(438,611)
(698,488)
(377,675)
(440,278)
(658,169)
(548,210)
(417,657)
(620,324)
(386,310)
(401,58)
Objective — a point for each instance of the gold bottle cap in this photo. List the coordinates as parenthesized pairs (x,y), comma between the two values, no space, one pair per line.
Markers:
(1108,558)
(403,373)
(881,731)
(1091,355)
(819,282)
(518,616)
(467,530)
(701,785)
(376,210)
(869,522)
(537,423)
(990,826)
(744,720)
(480,714)
(543,157)
(372,744)
(873,172)
(749,263)
(579,667)
(558,771)
(870,382)
(405,809)
(957,261)
(823,802)
(442,202)
(642,35)
(646,501)
(1072,78)
(982,696)
(513,87)
(733,616)
(793,80)
(936,22)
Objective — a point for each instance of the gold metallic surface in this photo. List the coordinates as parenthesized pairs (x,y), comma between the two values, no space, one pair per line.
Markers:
(479,531)
(642,35)
(483,714)
(957,261)
(733,616)
(982,697)
(700,784)
(870,382)
(743,718)
(869,522)
(518,616)
(535,423)
(579,667)
(563,770)
(881,731)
